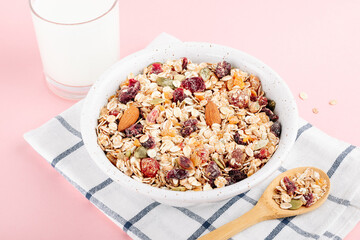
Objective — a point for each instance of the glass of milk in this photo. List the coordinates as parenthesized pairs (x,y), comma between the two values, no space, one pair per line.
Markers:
(78,40)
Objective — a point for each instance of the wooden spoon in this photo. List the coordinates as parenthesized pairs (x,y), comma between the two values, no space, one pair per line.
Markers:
(266,208)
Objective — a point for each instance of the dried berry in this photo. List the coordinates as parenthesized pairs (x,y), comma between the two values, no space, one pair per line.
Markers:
(290,186)
(150,143)
(200,156)
(134,130)
(153,115)
(263,101)
(114,112)
(236,175)
(237,158)
(189,127)
(149,167)
(254,82)
(222,69)
(264,153)
(194,84)
(272,116)
(179,95)
(212,170)
(156,68)
(127,94)
(177,173)
(238,139)
(239,99)
(184,63)
(309,199)
(271,105)
(185,162)
(276,129)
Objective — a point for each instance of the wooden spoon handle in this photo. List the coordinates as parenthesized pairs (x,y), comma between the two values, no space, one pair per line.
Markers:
(255,215)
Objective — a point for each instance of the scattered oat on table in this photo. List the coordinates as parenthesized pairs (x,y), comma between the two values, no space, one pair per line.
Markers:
(303,95)
(333,102)
(303,189)
(315,110)
(184,126)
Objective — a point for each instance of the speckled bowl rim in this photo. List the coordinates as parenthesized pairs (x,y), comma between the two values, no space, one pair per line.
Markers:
(89,135)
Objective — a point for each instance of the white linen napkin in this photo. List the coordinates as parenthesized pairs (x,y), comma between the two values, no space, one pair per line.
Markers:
(59,142)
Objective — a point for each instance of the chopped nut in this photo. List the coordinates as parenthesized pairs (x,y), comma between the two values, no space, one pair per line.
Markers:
(303,95)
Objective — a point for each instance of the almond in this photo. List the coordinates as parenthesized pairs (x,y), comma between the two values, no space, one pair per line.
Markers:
(212,114)
(130,117)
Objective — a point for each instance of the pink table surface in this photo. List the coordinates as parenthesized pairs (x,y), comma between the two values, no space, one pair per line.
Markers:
(313,45)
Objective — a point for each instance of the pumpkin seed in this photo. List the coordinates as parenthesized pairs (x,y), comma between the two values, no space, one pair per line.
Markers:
(219,163)
(205,73)
(295,204)
(161,81)
(140,152)
(182,189)
(128,153)
(156,101)
(271,105)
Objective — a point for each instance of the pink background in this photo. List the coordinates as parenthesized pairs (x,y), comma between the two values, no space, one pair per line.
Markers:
(313,45)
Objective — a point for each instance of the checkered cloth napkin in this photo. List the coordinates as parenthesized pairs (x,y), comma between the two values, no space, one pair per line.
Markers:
(59,142)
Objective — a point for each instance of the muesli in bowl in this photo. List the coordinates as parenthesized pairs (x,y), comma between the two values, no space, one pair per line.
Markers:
(184,126)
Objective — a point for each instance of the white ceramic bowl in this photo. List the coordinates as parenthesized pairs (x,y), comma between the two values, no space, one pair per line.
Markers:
(274,87)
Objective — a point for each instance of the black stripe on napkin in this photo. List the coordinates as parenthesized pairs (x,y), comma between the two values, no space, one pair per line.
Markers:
(68,126)
(140,215)
(331,235)
(66,153)
(303,129)
(98,188)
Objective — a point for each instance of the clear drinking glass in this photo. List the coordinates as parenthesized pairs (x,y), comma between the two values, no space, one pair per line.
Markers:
(78,40)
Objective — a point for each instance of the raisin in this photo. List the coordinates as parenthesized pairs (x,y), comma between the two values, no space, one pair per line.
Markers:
(239,99)
(179,95)
(272,116)
(177,173)
(238,139)
(309,199)
(189,127)
(184,63)
(114,112)
(276,129)
(212,170)
(150,143)
(271,105)
(194,84)
(185,162)
(263,101)
(127,94)
(156,68)
(149,167)
(264,153)
(222,69)
(290,186)
(236,176)
(134,130)
(237,158)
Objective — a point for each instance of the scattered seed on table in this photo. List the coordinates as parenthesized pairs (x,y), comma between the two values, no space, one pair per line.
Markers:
(315,110)
(333,102)
(303,95)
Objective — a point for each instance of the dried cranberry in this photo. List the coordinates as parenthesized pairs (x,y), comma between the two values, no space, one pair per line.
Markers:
(185,63)
(177,173)
(114,112)
(179,95)
(222,69)
(237,158)
(127,94)
(212,170)
(194,84)
(149,167)
(156,68)
(189,127)
(236,175)
(239,139)
(239,99)
(150,143)
(264,153)
(290,186)
(134,130)
(272,116)
(309,199)
(263,101)
(185,162)
(276,129)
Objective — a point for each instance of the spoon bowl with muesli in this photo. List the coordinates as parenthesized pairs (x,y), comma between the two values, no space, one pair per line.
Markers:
(189,123)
